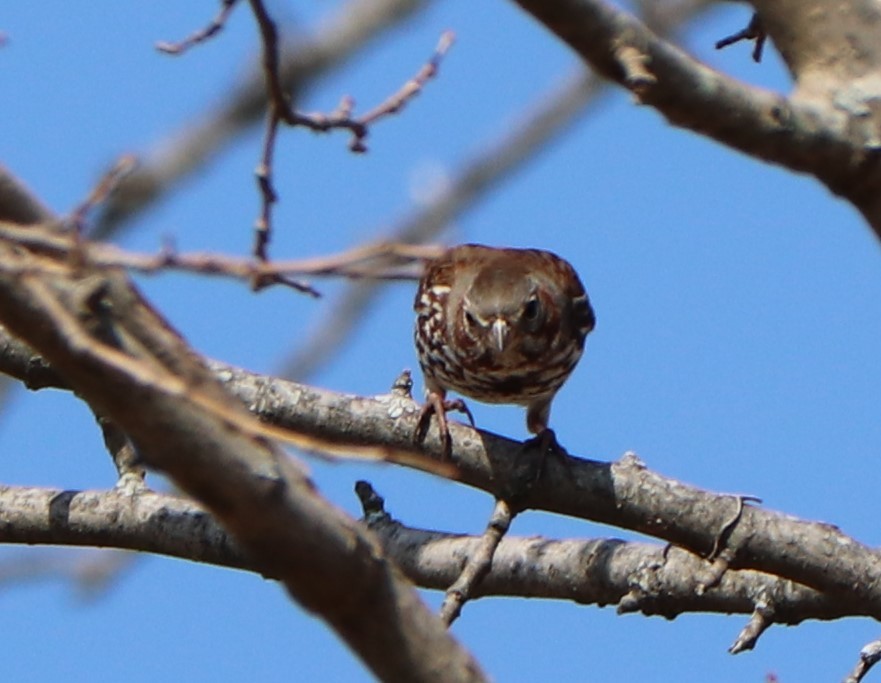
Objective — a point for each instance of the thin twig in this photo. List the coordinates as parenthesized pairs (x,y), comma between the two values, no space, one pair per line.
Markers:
(102,190)
(478,564)
(551,116)
(411,88)
(870,655)
(342,117)
(267,191)
(753,31)
(130,469)
(380,260)
(91,572)
(214,27)
(340,35)
(269,36)
(723,552)
(759,622)
(280,110)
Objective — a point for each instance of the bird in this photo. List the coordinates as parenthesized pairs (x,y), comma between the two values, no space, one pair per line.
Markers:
(499,325)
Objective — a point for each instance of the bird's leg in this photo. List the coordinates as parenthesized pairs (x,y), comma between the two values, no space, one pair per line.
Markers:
(537,415)
(436,402)
(546,443)
(528,466)
(532,461)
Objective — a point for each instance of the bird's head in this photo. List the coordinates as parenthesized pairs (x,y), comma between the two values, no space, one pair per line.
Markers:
(503,309)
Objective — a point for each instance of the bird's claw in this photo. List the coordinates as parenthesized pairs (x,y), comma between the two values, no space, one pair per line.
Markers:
(546,444)
(437,404)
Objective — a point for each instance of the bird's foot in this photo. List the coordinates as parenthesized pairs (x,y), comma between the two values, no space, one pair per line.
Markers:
(531,462)
(437,404)
(541,446)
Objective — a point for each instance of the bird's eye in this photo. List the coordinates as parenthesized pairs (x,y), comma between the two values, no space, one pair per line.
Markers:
(531,310)
(469,319)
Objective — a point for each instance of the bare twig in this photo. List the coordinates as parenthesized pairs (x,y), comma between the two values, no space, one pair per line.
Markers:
(90,571)
(624,493)
(280,110)
(125,457)
(409,90)
(585,571)
(870,655)
(380,260)
(106,185)
(352,25)
(550,116)
(760,620)
(214,27)
(341,118)
(359,126)
(723,552)
(753,31)
(17,203)
(478,564)
(268,194)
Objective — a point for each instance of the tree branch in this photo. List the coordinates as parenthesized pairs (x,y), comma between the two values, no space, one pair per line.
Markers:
(623,494)
(91,573)
(17,203)
(376,260)
(832,49)
(870,655)
(549,117)
(355,24)
(638,577)
(211,29)
(810,133)
(553,113)
(131,368)
(147,522)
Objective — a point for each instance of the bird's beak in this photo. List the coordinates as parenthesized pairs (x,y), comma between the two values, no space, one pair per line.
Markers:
(500,333)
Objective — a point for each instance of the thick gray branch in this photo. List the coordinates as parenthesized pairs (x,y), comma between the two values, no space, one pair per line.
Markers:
(830,46)
(640,577)
(830,133)
(144,521)
(623,494)
(635,576)
(130,367)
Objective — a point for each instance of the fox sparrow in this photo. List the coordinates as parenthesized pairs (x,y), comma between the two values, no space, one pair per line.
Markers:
(499,326)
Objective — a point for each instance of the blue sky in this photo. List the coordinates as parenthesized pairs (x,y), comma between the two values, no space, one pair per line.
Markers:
(735,348)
